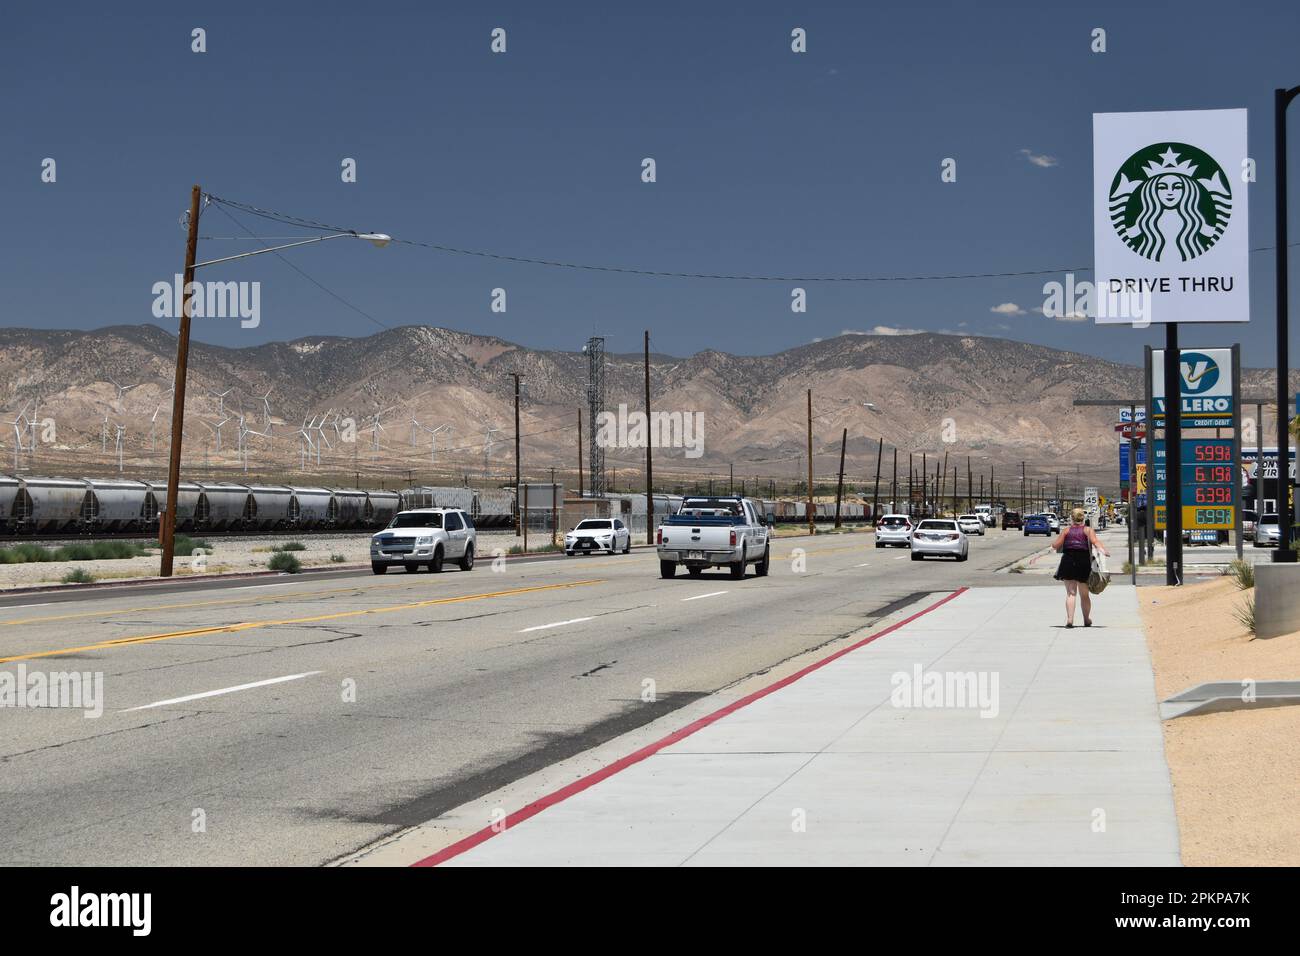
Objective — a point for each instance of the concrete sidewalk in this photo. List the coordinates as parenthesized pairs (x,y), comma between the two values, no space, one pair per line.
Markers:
(1060,763)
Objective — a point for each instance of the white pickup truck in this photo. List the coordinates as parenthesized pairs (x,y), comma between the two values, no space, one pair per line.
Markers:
(715,531)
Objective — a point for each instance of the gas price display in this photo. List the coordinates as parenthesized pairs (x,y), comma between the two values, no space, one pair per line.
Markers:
(1208,477)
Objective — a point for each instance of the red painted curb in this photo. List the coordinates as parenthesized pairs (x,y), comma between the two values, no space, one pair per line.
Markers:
(557,796)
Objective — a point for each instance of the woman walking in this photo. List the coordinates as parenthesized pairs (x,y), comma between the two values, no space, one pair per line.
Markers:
(1075,544)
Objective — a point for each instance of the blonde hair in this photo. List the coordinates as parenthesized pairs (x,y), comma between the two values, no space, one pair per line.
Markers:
(1078,515)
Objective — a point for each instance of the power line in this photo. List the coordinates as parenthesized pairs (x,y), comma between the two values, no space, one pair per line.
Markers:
(287,219)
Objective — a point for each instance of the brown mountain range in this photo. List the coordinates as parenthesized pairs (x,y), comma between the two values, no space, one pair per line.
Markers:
(1006,402)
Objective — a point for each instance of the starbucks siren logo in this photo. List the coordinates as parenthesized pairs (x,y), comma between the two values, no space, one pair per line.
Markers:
(1170,200)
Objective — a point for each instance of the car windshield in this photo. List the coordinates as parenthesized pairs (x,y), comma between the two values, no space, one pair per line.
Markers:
(1268,519)
(969,518)
(936,526)
(594,525)
(417,519)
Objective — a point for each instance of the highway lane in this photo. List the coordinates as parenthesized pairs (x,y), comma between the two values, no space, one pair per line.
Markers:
(299,720)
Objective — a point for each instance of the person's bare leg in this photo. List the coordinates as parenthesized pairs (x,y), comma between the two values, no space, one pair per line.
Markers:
(1070,587)
(1086,600)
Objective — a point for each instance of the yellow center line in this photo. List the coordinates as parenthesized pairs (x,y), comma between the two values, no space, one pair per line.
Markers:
(250,625)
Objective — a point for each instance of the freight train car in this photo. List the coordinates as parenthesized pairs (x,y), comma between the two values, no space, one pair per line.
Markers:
(310,507)
(9,489)
(117,505)
(45,505)
(187,496)
(347,509)
(380,507)
(221,505)
(267,507)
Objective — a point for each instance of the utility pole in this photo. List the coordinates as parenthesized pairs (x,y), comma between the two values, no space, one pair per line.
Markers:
(1281,100)
(812,510)
(1022,489)
(839,487)
(649,467)
(970,504)
(925,485)
(875,497)
(909,484)
(579,452)
(518,510)
(168,524)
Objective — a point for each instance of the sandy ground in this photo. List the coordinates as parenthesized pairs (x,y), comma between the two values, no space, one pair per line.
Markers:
(1236,775)
(229,555)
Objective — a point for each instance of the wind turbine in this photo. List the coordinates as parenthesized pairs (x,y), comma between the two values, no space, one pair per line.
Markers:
(307,443)
(221,401)
(121,435)
(266,413)
(121,391)
(487,448)
(376,426)
(19,425)
(153,430)
(217,429)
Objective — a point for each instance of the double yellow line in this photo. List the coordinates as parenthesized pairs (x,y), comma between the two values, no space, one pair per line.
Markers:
(316,618)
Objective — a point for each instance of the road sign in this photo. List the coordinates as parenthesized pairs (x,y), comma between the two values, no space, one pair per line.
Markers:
(1206,376)
(1208,479)
(1170,230)
(1123,459)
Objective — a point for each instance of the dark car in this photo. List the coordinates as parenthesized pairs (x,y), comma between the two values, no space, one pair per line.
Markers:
(1038,524)
(1010,519)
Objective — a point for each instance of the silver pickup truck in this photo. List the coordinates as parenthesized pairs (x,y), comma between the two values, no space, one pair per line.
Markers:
(715,531)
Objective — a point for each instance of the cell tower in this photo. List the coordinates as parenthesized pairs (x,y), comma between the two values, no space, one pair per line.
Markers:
(595,349)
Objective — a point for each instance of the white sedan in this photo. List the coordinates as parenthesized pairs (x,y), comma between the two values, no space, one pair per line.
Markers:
(939,536)
(971,524)
(598,534)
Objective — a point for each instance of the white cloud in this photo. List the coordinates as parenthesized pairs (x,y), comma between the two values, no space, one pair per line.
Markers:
(1039,159)
(1008,308)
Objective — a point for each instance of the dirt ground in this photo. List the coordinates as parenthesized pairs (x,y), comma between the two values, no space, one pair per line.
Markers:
(1236,775)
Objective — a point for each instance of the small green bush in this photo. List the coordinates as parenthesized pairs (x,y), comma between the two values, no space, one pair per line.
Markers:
(78,576)
(281,561)
(187,545)
(290,546)
(1243,572)
(337,558)
(1245,614)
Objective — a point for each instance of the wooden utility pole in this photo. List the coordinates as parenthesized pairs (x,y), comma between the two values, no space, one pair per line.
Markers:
(168,524)
(649,468)
(812,509)
(893,491)
(839,487)
(518,471)
(970,487)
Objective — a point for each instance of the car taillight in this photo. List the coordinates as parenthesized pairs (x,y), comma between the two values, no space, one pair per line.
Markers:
(952,537)
(659,536)
(733,537)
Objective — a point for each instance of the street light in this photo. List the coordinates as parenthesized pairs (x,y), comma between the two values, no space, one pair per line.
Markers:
(167,523)
(1281,100)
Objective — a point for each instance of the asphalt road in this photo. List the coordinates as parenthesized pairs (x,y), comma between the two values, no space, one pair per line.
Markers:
(380,702)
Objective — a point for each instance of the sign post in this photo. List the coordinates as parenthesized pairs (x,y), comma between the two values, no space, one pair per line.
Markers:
(1170,243)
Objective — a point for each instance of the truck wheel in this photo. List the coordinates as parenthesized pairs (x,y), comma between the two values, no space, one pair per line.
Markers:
(467,562)
(436,564)
(411,568)
(761,568)
(667,569)
(738,568)
(378,568)
(915,556)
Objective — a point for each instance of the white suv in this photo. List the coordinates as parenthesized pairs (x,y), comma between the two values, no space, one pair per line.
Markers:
(425,537)
(894,531)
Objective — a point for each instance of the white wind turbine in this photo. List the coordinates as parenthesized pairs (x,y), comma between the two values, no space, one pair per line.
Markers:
(487,448)
(217,431)
(121,391)
(120,445)
(266,414)
(307,444)
(376,426)
(221,400)
(20,425)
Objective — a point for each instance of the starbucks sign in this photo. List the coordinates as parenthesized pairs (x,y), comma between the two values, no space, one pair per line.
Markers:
(1170,216)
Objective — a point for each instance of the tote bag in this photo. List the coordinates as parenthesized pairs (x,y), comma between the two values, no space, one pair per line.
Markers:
(1098,577)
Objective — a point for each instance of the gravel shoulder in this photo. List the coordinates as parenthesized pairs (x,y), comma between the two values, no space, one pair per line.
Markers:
(1236,788)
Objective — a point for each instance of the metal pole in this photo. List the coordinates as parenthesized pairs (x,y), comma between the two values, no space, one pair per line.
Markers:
(1236,448)
(579,452)
(812,528)
(1022,489)
(554,508)
(523,516)
(1281,100)
(1147,548)
(1132,486)
(839,485)
(875,496)
(1259,463)
(649,466)
(168,523)
(518,520)
(1173,457)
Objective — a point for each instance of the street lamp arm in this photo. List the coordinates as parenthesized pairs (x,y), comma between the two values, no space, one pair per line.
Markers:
(378,238)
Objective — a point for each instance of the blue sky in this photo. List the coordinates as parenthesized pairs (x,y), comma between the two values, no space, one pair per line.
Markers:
(768,162)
